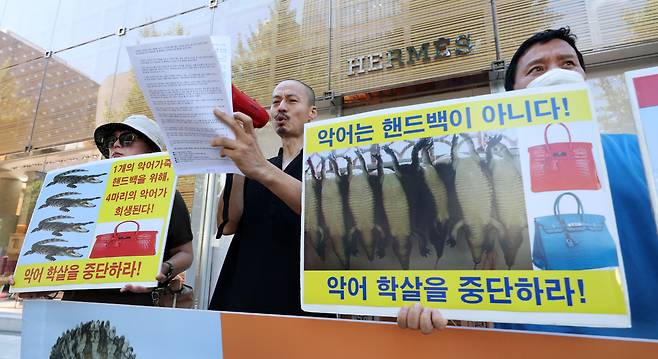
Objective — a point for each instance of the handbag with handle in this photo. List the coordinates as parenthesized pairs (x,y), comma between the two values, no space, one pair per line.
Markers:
(561,166)
(573,241)
(124,243)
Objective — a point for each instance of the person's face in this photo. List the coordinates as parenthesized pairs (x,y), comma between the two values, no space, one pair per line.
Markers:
(541,58)
(290,109)
(126,143)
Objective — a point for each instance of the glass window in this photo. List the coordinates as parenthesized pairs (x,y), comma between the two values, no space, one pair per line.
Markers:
(142,12)
(80,21)
(611,103)
(610,95)
(19,92)
(12,196)
(75,93)
(126,97)
(598,24)
(58,101)
(31,22)
(275,40)
(3,7)
(15,214)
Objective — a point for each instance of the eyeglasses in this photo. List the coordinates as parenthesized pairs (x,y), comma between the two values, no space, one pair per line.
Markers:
(125,139)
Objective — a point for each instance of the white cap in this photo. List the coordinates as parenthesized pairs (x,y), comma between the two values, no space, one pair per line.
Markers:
(138,123)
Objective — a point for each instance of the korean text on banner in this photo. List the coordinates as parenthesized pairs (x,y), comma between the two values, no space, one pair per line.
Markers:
(98,225)
(492,208)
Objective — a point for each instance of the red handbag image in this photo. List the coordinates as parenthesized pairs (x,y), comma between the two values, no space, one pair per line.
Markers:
(562,165)
(124,244)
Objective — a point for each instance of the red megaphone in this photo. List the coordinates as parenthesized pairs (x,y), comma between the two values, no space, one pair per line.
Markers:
(250,107)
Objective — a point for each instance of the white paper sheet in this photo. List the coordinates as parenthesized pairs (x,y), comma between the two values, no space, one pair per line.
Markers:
(183,80)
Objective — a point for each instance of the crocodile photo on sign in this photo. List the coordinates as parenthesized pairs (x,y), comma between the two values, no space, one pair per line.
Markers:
(51,250)
(57,228)
(92,339)
(451,202)
(64,203)
(72,181)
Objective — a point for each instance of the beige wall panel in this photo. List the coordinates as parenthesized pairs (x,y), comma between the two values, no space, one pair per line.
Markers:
(19,91)
(292,42)
(599,25)
(67,107)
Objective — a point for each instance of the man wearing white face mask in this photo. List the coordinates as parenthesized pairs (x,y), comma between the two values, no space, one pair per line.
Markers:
(551,58)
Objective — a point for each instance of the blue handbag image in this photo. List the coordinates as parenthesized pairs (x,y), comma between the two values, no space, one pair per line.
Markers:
(572,241)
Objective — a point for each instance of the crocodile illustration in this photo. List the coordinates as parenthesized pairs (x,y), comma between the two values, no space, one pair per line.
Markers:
(64,203)
(51,250)
(71,180)
(92,339)
(58,227)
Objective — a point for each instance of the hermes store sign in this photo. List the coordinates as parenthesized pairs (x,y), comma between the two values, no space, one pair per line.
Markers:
(441,48)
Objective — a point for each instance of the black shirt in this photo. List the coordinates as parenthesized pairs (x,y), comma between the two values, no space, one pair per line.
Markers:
(261,270)
(179,233)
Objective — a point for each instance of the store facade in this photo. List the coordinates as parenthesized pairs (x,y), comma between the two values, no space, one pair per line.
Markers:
(64,70)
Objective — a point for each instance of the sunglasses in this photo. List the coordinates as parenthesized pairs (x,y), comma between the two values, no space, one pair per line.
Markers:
(125,139)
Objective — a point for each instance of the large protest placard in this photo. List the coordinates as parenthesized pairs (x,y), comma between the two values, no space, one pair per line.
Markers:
(643,93)
(492,208)
(98,225)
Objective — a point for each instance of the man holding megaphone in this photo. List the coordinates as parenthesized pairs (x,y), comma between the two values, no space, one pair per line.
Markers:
(261,270)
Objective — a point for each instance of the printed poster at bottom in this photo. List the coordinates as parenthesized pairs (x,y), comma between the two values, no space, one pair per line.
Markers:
(492,208)
(60,329)
(98,225)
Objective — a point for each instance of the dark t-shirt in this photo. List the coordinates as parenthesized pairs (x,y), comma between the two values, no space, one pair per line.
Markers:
(179,233)
(261,270)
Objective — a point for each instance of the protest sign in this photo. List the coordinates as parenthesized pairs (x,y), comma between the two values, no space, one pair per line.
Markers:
(98,225)
(492,208)
(643,92)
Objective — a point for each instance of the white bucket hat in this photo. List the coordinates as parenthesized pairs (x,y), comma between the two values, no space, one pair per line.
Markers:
(139,123)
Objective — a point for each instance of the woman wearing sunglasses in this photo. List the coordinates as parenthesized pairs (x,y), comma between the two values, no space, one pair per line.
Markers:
(137,135)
